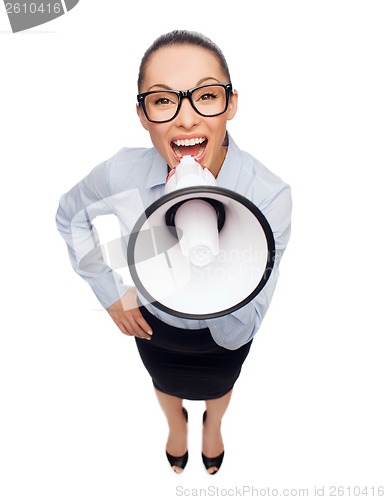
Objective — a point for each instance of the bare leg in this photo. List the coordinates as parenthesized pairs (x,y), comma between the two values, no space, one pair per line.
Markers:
(177,443)
(212,443)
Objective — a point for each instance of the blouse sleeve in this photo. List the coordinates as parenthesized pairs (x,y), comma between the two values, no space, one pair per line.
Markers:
(88,199)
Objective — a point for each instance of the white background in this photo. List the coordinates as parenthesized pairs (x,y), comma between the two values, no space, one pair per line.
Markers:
(78,416)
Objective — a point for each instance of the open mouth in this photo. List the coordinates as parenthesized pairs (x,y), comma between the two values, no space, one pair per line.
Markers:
(189,147)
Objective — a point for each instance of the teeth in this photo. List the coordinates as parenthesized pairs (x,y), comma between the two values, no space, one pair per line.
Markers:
(189,142)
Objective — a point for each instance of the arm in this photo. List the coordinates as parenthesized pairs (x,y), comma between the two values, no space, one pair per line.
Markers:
(90,198)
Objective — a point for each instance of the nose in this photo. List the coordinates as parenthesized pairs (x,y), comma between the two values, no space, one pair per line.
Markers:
(187,116)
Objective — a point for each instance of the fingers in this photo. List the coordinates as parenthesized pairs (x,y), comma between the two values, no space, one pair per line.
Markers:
(142,323)
(132,323)
(128,317)
(135,324)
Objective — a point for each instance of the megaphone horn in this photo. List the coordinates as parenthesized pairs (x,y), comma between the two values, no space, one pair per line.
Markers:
(200,251)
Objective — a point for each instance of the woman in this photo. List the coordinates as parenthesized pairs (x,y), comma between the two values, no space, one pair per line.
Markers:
(187,359)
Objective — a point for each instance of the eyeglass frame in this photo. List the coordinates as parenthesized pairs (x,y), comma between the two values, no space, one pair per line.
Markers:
(182,94)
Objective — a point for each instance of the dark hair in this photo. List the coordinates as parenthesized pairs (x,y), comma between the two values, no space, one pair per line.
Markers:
(182,37)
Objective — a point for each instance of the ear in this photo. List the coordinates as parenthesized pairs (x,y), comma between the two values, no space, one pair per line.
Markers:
(142,117)
(232,106)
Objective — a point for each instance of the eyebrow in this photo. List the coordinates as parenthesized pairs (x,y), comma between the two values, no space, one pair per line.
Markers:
(201,81)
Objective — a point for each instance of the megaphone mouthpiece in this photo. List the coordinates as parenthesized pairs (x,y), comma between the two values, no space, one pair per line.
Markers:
(188,173)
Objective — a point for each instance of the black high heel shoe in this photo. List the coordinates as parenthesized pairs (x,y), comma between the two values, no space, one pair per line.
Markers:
(179,461)
(212,462)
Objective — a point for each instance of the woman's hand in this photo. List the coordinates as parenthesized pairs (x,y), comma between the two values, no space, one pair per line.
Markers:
(128,317)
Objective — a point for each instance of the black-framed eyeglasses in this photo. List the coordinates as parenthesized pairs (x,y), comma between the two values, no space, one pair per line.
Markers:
(162,106)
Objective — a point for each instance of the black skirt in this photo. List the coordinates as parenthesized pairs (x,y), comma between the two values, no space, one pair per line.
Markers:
(189,364)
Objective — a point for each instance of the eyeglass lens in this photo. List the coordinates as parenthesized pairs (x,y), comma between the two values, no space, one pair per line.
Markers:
(209,100)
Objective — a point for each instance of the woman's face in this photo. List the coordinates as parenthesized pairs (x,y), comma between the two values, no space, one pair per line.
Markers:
(183,67)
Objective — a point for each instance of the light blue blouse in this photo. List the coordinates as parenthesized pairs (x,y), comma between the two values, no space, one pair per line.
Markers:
(131,181)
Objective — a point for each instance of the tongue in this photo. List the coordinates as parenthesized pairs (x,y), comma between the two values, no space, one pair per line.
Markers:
(190,150)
